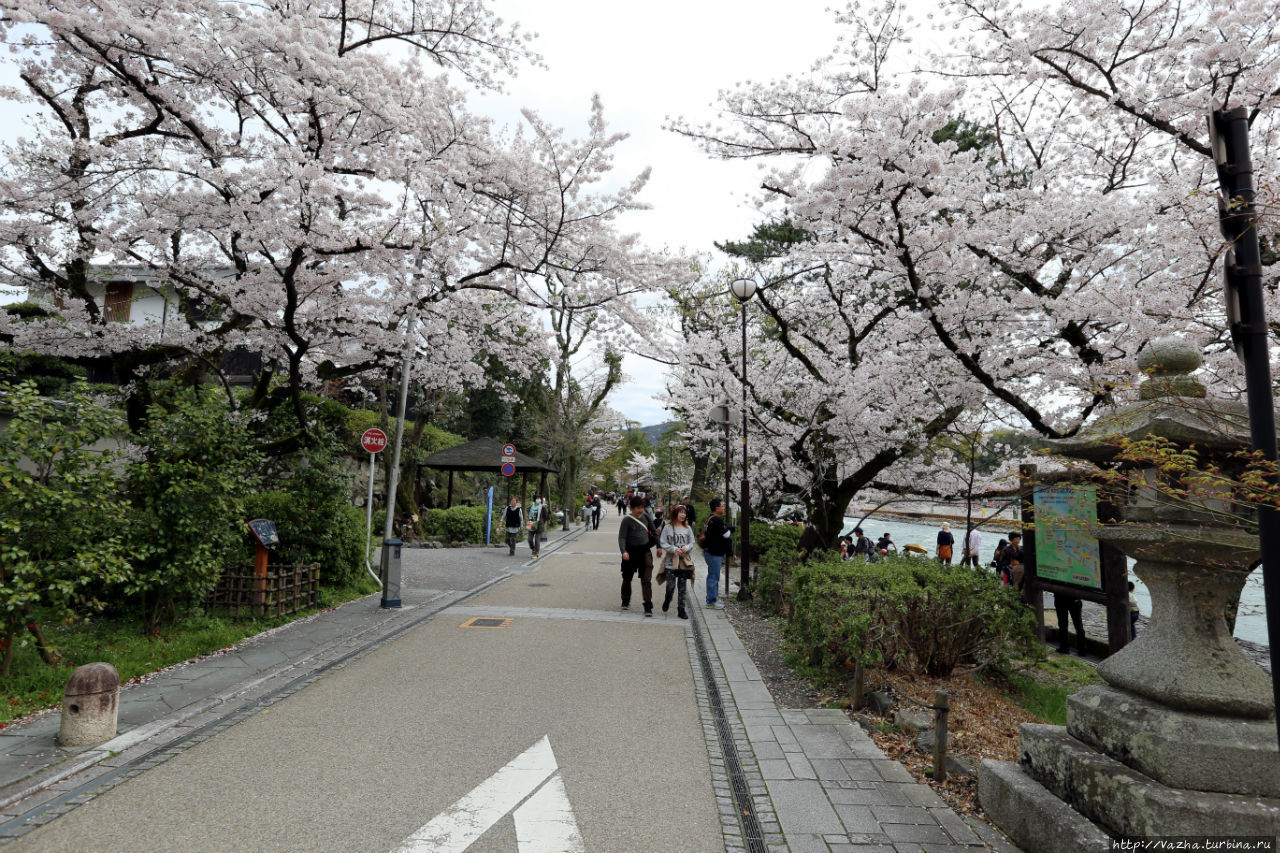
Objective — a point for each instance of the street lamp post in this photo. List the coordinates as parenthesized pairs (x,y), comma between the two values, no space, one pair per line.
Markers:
(743,289)
(724,415)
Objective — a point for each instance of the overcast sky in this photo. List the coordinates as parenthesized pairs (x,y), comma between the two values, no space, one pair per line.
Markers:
(647,62)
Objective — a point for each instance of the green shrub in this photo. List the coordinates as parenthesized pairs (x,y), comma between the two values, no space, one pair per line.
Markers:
(186,494)
(316,524)
(62,549)
(456,524)
(909,614)
(830,620)
(769,538)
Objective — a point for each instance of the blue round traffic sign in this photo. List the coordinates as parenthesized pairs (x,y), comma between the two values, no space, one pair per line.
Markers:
(508,468)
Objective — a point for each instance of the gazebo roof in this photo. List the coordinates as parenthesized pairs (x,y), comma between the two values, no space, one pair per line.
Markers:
(483,454)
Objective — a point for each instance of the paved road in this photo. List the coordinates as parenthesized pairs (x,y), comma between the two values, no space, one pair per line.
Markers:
(369,754)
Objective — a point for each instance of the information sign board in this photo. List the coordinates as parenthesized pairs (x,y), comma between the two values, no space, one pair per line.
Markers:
(1065,552)
(265,532)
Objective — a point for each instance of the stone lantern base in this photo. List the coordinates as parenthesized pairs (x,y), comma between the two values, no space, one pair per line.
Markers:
(1127,766)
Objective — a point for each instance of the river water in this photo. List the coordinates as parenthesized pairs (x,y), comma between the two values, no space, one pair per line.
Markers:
(1251,623)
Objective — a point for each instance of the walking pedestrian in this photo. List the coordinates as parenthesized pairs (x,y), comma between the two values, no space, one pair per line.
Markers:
(718,538)
(634,538)
(862,545)
(675,549)
(972,542)
(596,512)
(885,544)
(945,543)
(513,520)
(536,521)
(691,517)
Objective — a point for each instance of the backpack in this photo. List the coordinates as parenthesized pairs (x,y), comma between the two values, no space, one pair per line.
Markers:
(702,537)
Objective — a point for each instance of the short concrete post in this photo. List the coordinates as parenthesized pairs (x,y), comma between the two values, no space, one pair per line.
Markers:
(941,706)
(90,706)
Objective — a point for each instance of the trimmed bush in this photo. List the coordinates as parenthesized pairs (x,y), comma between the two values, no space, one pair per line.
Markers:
(456,524)
(767,539)
(913,615)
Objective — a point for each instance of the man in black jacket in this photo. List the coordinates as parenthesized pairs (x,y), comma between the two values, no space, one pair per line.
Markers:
(719,543)
(633,541)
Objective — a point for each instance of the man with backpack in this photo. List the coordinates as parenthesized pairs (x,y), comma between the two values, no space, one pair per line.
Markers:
(715,541)
(862,545)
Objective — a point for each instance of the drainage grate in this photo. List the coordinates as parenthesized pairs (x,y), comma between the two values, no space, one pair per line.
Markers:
(486,622)
(752,834)
(539,584)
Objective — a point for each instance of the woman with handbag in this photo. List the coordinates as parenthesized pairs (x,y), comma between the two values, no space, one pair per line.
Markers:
(635,538)
(675,550)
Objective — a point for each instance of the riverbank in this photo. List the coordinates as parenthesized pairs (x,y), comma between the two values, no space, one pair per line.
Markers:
(916,525)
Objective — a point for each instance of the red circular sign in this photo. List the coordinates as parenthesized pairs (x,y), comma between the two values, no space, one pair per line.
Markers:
(508,469)
(373,440)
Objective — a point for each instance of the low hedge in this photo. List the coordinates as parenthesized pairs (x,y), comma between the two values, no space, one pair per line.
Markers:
(457,523)
(909,614)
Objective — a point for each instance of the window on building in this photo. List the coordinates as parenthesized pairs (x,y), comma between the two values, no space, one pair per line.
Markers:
(116,303)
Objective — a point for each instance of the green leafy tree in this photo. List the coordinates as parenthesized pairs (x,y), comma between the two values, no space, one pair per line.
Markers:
(61,522)
(187,494)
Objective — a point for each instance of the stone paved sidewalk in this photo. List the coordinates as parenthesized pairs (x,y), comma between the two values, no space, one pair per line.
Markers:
(830,788)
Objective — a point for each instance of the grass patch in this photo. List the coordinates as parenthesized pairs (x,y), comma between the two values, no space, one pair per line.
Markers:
(33,685)
(1043,687)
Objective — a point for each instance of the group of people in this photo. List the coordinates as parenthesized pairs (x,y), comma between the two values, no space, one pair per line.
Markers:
(860,546)
(646,539)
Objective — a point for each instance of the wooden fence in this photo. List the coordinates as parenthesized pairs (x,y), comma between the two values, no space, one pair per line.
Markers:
(242,594)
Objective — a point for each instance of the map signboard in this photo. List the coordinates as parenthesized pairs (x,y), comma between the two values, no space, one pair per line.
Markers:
(1065,552)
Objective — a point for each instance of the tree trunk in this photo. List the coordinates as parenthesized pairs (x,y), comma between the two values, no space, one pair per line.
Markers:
(47,654)
(702,489)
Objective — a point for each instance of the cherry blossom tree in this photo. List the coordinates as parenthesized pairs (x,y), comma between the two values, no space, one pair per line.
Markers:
(300,182)
(1004,226)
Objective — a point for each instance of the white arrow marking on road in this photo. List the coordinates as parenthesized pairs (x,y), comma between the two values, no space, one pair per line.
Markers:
(544,824)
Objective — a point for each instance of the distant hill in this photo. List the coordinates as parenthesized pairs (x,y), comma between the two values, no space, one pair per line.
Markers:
(654,433)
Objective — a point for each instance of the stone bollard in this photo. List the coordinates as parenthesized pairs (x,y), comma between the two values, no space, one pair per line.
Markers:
(90,706)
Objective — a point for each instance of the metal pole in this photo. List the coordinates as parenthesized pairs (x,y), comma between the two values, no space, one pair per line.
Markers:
(728,461)
(1253,340)
(390,585)
(368,522)
(744,573)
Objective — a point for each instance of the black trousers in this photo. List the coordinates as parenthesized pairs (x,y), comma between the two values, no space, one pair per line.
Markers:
(641,563)
(1065,606)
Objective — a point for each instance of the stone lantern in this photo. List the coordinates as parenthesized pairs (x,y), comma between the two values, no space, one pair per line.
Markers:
(1181,739)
